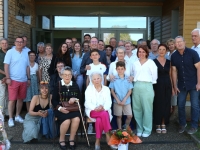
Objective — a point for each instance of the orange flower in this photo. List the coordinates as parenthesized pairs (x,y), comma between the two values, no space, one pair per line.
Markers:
(125,133)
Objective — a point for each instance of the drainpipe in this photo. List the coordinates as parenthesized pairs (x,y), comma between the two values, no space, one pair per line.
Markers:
(5,18)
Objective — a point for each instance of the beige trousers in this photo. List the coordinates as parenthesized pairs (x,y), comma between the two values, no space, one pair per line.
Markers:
(4,98)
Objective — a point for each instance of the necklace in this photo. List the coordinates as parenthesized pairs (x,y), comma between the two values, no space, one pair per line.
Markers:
(68,88)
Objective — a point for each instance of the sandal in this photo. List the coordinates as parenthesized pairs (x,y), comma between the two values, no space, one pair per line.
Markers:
(72,147)
(164,129)
(158,129)
(63,147)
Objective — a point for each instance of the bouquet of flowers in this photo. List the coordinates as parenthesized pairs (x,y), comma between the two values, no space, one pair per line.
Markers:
(123,137)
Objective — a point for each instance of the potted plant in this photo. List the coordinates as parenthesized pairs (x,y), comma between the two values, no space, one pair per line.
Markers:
(123,137)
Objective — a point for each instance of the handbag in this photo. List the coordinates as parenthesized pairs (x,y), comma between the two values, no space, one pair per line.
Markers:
(69,107)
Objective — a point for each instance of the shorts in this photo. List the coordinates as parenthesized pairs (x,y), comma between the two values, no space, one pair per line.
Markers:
(17,90)
(119,109)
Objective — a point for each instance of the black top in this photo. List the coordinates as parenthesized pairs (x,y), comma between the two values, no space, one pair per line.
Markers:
(53,81)
(86,60)
(38,107)
(67,92)
(187,72)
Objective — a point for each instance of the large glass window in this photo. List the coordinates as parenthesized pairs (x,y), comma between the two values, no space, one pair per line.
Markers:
(75,22)
(123,22)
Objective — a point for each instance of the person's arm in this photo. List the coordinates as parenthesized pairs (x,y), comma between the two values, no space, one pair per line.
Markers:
(197,65)
(174,79)
(83,64)
(28,75)
(115,96)
(126,97)
(154,72)
(6,68)
(170,75)
(2,72)
(32,106)
(87,80)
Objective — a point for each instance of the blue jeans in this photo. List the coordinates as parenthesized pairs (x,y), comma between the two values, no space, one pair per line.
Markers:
(194,99)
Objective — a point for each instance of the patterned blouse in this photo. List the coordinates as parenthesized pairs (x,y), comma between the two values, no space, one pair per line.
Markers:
(44,65)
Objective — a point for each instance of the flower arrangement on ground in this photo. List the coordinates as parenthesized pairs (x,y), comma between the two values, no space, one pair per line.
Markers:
(124,136)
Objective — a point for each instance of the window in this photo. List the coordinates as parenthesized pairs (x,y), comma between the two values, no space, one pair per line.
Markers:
(123,22)
(75,22)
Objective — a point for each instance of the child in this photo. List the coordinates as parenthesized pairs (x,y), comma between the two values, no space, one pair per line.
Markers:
(33,88)
(121,90)
(96,66)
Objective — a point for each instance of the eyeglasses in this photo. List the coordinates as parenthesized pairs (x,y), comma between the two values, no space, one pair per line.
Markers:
(31,55)
(67,75)
(19,42)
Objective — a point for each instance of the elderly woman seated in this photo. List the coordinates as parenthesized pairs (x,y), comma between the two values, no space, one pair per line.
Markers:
(98,107)
(69,91)
(39,119)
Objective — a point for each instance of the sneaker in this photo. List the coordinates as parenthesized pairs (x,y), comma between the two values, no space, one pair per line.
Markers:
(124,126)
(19,119)
(182,128)
(90,129)
(145,135)
(11,122)
(192,130)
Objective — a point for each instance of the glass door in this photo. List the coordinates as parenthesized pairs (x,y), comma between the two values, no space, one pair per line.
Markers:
(40,35)
(107,34)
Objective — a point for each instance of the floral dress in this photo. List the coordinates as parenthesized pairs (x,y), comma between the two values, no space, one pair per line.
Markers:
(44,66)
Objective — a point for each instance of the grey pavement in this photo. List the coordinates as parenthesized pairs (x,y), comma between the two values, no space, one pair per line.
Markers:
(170,141)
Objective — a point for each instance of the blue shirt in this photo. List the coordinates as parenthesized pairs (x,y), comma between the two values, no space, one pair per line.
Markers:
(152,56)
(76,63)
(187,72)
(121,86)
(18,63)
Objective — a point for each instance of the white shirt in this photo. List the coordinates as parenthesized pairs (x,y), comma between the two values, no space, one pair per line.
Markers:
(101,68)
(113,71)
(63,83)
(146,72)
(197,49)
(131,59)
(34,69)
(134,51)
(93,99)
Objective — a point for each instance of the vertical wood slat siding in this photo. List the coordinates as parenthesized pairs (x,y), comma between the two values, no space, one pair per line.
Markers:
(164,22)
(191,17)
(167,8)
(157,29)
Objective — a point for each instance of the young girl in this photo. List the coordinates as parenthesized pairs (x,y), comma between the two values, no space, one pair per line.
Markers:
(33,88)
(77,57)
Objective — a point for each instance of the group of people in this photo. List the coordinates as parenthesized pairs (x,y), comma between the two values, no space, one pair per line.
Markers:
(111,82)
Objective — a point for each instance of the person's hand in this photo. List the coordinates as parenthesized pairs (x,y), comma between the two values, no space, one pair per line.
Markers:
(130,79)
(198,87)
(3,80)
(112,77)
(8,81)
(176,90)
(45,113)
(64,110)
(72,100)
(122,103)
(101,108)
(41,113)
(87,67)
(173,92)
(28,83)
(118,102)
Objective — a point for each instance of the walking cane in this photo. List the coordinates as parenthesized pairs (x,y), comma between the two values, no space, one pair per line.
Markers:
(77,101)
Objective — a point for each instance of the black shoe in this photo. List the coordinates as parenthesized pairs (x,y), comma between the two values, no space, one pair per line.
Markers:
(72,147)
(63,147)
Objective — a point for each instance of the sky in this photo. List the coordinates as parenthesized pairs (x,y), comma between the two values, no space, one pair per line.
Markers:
(106,22)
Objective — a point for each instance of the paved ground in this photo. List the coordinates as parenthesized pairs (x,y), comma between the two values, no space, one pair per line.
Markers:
(170,141)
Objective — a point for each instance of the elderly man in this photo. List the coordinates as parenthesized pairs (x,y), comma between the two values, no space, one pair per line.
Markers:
(113,43)
(196,41)
(101,45)
(16,66)
(3,87)
(185,64)
(154,50)
(130,56)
